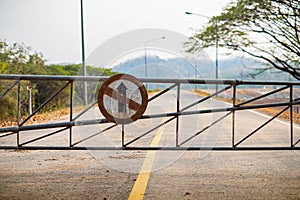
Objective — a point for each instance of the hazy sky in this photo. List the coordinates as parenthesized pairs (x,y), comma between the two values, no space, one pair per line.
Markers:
(52,27)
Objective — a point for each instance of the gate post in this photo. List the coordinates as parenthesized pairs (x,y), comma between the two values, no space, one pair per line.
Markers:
(177,110)
(233,113)
(19,113)
(29,94)
(71,113)
(291,116)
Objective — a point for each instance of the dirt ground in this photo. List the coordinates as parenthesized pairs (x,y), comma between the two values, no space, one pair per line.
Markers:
(218,175)
(57,175)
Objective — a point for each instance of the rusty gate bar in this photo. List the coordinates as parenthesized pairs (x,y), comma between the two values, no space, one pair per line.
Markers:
(162,92)
(174,116)
(85,110)
(9,88)
(44,136)
(153,129)
(261,126)
(95,134)
(176,84)
(180,112)
(262,96)
(45,103)
(206,98)
(205,128)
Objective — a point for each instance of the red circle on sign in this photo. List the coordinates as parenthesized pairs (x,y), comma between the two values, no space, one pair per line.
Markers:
(125,109)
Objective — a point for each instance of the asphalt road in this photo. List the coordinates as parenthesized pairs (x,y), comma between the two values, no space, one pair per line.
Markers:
(138,174)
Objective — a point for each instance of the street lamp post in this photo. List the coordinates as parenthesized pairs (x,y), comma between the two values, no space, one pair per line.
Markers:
(196,65)
(84,91)
(217,44)
(146,42)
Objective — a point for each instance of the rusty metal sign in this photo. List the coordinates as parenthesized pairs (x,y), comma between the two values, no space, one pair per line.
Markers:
(122,99)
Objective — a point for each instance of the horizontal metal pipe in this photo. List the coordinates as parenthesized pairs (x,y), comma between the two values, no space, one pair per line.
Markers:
(146,80)
(52,77)
(212,148)
(171,114)
(9,88)
(153,148)
(52,125)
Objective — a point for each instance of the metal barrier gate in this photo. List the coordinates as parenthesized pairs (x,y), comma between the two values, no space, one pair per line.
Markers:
(174,85)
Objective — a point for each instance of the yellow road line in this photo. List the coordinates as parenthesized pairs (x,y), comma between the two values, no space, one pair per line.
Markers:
(140,185)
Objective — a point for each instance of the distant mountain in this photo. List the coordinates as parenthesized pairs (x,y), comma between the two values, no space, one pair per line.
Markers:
(235,68)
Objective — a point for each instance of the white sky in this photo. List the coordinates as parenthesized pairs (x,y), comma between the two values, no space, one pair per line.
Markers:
(52,27)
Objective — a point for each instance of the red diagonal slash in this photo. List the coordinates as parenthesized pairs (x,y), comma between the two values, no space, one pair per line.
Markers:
(122,99)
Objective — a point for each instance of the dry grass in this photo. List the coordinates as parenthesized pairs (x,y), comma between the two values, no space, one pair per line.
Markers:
(284,116)
(154,91)
(269,111)
(40,118)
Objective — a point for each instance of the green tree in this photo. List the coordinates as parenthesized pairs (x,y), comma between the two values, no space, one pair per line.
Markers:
(17,59)
(20,59)
(268,30)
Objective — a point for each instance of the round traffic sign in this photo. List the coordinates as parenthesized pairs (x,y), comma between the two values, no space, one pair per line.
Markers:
(122,99)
